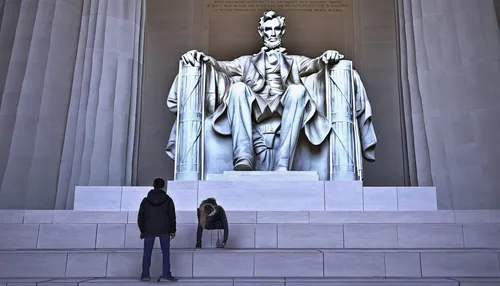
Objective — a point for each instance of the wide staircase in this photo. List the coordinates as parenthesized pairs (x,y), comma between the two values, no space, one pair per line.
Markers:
(358,248)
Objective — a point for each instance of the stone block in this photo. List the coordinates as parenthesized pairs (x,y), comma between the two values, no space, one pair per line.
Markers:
(298,263)
(64,236)
(132,217)
(26,265)
(482,235)
(86,217)
(38,217)
(88,198)
(132,197)
(430,236)
(265,196)
(18,236)
(369,282)
(183,217)
(181,263)
(86,264)
(132,236)
(478,281)
(368,217)
(472,216)
(259,282)
(135,282)
(417,198)
(266,236)
(128,264)
(240,236)
(110,236)
(495,216)
(353,264)
(223,264)
(310,236)
(370,236)
(283,217)
(239,217)
(63,282)
(435,264)
(184,194)
(380,199)
(402,264)
(11,216)
(185,237)
(344,196)
(259,176)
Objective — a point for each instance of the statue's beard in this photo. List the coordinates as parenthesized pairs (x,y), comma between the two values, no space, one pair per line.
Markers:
(272,45)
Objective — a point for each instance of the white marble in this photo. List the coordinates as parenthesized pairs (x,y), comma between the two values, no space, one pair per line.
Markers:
(67,236)
(223,264)
(132,197)
(460,264)
(86,265)
(430,236)
(97,198)
(110,236)
(482,235)
(402,264)
(370,236)
(417,198)
(265,196)
(380,199)
(18,236)
(343,196)
(310,236)
(255,176)
(11,216)
(289,264)
(29,265)
(338,264)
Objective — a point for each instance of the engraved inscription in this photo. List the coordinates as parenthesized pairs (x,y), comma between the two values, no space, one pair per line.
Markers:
(326,6)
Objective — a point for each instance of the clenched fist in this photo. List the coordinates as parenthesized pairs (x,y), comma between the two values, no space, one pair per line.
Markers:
(331,56)
(194,56)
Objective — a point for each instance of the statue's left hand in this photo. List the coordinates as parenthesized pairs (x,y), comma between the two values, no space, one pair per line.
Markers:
(331,56)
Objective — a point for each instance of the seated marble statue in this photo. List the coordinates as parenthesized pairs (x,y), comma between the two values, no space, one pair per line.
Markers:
(270,87)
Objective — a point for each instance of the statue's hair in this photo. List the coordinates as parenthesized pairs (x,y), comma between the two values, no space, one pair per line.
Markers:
(269,15)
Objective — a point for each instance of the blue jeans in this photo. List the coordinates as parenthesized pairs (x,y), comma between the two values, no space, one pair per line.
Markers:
(149,242)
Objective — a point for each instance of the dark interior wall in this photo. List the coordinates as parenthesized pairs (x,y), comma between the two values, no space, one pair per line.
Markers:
(365,33)
(169,33)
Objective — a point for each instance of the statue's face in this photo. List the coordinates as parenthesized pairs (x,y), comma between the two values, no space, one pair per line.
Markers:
(272,33)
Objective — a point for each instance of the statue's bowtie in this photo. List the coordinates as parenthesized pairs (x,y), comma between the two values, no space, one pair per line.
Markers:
(278,50)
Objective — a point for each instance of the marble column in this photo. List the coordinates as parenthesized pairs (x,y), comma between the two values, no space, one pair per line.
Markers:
(450,63)
(69,79)
(102,117)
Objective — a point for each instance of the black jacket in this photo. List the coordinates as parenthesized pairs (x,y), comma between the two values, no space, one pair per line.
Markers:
(157,214)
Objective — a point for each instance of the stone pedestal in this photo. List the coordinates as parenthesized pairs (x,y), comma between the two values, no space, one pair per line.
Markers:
(265,195)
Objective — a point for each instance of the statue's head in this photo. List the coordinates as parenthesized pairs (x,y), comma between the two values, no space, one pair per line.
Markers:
(271,29)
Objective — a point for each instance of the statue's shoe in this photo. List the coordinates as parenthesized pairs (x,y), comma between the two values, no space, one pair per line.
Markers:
(243,165)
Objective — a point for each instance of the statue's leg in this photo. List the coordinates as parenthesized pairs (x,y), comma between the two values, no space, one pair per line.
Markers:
(294,102)
(239,112)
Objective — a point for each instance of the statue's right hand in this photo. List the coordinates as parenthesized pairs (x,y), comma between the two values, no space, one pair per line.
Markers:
(194,56)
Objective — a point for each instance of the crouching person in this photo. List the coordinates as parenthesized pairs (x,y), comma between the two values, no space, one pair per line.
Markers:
(157,219)
(211,216)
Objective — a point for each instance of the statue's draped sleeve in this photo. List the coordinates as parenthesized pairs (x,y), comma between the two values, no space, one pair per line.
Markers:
(364,115)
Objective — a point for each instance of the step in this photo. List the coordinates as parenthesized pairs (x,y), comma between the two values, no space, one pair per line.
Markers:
(264,196)
(224,263)
(260,282)
(255,176)
(257,230)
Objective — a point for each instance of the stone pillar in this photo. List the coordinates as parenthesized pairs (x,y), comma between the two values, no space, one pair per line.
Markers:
(190,116)
(344,145)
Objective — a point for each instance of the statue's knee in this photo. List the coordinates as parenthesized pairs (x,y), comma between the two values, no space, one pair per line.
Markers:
(239,88)
(296,91)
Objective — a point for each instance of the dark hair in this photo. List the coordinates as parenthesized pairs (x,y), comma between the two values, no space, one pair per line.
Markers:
(208,208)
(158,183)
(211,201)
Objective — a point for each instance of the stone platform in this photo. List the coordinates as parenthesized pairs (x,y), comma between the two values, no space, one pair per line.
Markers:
(253,176)
(265,196)
(264,248)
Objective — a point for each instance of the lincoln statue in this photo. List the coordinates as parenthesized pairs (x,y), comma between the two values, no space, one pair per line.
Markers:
(269,86)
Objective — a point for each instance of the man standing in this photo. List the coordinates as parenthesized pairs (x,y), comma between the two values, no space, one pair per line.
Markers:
(157,219)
